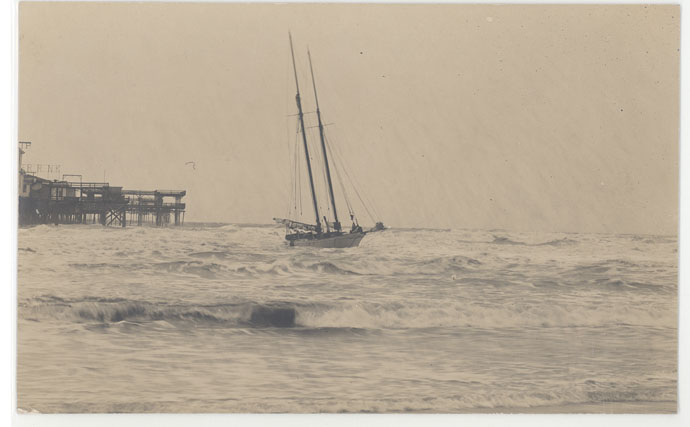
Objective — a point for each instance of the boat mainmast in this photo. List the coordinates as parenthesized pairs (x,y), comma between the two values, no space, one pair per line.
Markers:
(304,139)
(323,147)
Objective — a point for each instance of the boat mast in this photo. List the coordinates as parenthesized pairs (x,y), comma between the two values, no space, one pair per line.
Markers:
(304,139)
(323,146)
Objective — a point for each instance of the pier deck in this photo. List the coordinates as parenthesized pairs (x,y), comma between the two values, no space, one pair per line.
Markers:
(64,202)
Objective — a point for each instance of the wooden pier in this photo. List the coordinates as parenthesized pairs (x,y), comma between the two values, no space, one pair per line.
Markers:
(64,202)
(150,206)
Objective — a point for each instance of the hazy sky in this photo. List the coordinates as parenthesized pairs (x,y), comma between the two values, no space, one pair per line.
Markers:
(544,118)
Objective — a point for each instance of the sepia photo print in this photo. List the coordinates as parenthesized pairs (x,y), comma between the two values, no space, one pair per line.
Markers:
(347,208)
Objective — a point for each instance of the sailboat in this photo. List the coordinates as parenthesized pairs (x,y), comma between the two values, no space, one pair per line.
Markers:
(304,234)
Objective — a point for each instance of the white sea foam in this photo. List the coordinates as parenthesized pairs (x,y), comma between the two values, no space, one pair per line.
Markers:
(111,319)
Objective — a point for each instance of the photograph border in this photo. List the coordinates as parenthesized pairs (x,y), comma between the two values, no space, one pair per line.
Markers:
(8,217)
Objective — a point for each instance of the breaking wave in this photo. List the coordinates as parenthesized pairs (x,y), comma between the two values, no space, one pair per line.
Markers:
(501,240)
(411,321)
(329,267)
(347,314)
(559,242)
(115,310)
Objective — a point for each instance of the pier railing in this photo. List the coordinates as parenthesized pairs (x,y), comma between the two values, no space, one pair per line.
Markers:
(90,202)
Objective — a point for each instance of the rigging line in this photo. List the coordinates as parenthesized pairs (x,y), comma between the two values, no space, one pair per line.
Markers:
(298,173)
(288,134)
(295,182)
(325,186)
(362,201)
(293,173)
(311,149)
(315,164)
(348,203)
(292,187)
(340,179)
(338,165)
(299,186)
(293,195)
(289,200)
(295,177)
(304,113)
(327,208)
(324,176)
(365,198)
(354,187)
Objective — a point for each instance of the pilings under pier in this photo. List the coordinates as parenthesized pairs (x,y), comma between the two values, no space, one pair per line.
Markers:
(63,202)
(151,206)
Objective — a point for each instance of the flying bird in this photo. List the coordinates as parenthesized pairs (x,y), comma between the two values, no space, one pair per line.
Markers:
(191,163)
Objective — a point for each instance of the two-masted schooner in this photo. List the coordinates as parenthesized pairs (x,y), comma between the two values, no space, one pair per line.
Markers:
(321,234)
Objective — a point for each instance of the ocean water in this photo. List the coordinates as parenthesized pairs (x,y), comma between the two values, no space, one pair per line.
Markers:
(227,319)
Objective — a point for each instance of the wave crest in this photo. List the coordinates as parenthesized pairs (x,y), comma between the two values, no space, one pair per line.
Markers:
(347,315)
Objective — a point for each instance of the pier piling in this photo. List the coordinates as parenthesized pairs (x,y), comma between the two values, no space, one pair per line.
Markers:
(63,202)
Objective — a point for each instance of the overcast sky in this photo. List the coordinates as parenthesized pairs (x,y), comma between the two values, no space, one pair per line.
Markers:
(534,118)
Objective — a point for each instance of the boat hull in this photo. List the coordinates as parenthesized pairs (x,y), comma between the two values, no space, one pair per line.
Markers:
(342,241)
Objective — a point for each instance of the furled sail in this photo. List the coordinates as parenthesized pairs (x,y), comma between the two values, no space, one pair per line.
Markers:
(294,225)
